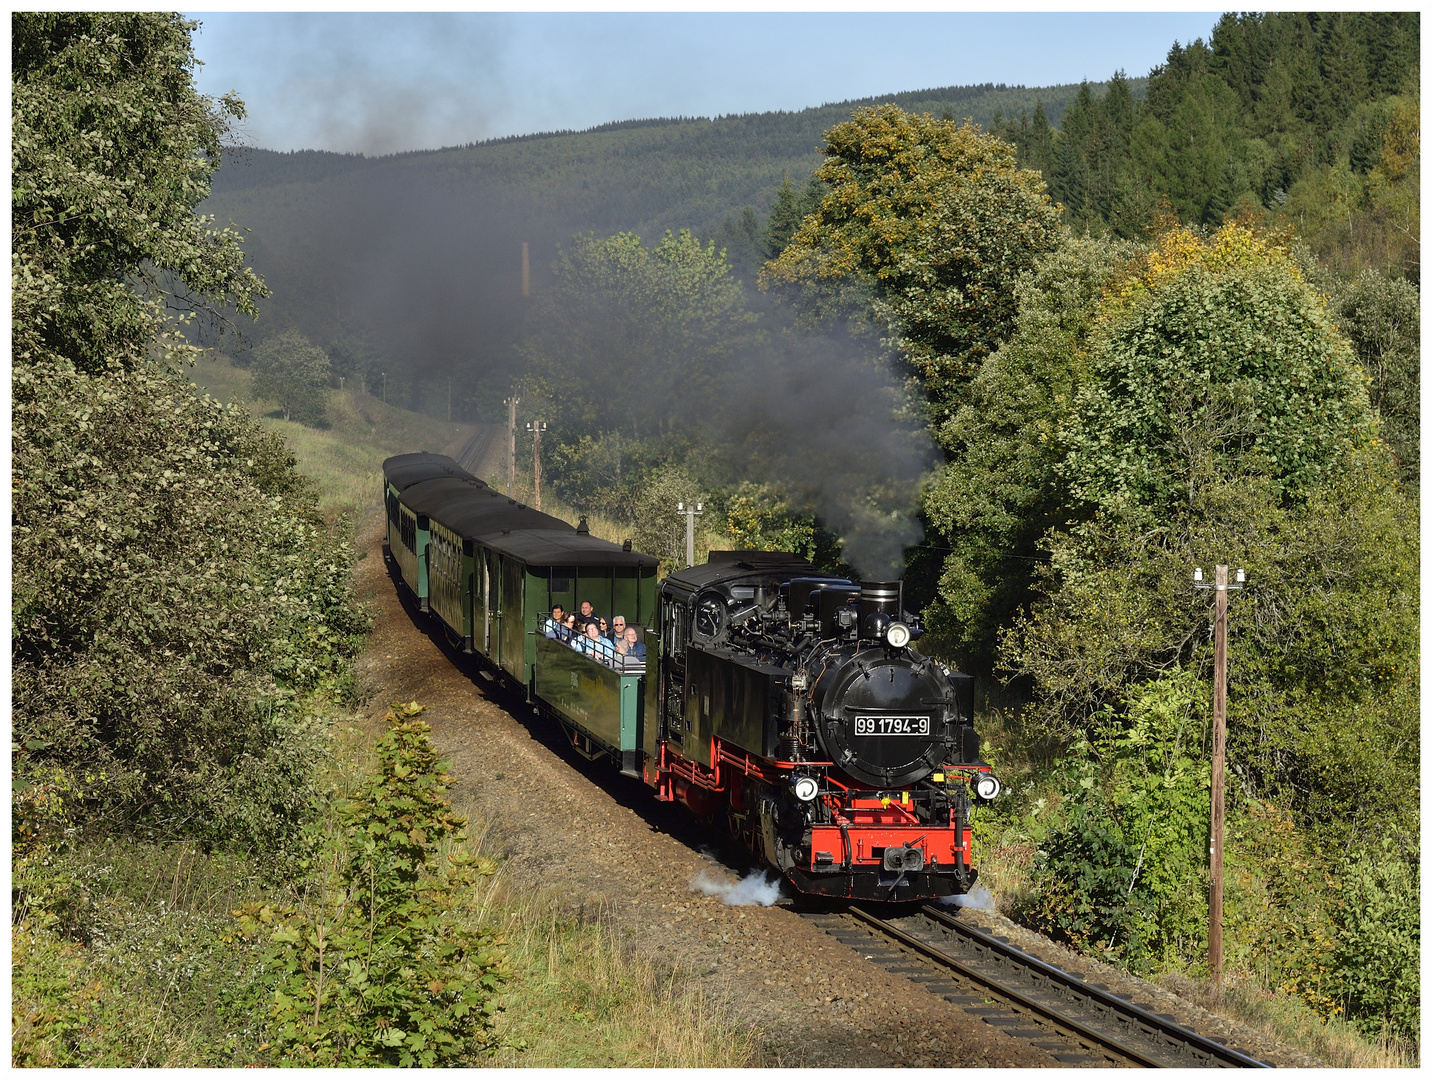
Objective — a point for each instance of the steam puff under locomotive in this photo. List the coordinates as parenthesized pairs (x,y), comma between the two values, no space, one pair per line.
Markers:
(789,704)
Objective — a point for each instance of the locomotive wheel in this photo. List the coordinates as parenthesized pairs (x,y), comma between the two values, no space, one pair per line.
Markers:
(742,827)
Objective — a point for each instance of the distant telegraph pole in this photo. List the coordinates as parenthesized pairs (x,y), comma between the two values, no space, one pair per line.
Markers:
(690,515)
(511,404)
(1220,731)
(526,272)
(536,427)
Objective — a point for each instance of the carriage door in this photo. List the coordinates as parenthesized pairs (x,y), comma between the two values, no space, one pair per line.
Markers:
(483,586)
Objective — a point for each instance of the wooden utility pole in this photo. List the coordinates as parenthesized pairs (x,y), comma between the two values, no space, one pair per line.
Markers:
(1220,728)
(1221,589)
(537,427)
(511,404)
(526,272)
(449,399)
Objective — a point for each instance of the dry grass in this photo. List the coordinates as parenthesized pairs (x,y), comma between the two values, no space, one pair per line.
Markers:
(1286,1019)
(581,995)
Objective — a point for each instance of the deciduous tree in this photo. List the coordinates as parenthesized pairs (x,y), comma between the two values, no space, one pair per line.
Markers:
(292,371)
(112,148)
(927,224)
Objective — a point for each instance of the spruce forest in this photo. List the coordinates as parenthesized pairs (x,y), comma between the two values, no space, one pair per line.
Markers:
(1041,351)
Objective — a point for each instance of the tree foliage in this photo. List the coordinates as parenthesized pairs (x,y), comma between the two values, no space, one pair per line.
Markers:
(174,587)
(290,370)
(1213,352)
(933,222)
(1284,480)
(999,491)
(1305,119)
(1382,318)
(111,151)
(631,333)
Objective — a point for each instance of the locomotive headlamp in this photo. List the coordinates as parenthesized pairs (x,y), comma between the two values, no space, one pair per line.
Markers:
(897,635)
(987,786)
(806,789)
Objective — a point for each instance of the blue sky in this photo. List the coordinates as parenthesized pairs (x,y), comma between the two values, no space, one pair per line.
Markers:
(380,83)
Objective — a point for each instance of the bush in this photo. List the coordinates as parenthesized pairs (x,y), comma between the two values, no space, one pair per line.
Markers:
(153,523)
(1121,868)
(1379,929)
(381,963)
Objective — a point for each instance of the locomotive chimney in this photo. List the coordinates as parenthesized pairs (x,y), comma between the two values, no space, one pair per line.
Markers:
(878,598)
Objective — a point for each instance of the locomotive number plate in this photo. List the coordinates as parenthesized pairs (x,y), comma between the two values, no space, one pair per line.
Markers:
(892,725)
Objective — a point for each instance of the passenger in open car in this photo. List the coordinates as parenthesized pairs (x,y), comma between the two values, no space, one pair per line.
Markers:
(556,628)
(635,649)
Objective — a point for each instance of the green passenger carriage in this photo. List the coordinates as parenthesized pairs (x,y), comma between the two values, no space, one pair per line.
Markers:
(489,569)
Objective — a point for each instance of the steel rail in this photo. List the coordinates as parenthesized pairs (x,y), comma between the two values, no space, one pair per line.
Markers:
(1005,991)
(1059,1019)
(1139,1015)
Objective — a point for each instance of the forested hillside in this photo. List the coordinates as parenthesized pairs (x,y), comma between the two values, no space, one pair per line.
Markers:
(411,264)
(1309,120)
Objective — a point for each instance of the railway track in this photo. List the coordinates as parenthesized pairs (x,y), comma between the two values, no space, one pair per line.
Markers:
(1078,1024)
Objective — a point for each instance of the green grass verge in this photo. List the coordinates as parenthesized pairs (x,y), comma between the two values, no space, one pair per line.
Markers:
(345,459)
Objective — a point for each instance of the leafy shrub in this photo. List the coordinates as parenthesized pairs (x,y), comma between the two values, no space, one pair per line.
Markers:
(1379,929)
(153,524)
(1121,868)
(1278,894)
(380,963)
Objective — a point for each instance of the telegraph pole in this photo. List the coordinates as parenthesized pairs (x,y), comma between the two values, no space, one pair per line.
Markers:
(385,388)
(526,272)
(449,399)
(1220,732)
(537,427)
(511,404)
(690,516)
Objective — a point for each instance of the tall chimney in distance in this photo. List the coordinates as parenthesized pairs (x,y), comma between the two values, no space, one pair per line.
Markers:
(526,272)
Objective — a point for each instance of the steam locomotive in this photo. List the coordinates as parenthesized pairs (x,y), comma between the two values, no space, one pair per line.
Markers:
(790,704)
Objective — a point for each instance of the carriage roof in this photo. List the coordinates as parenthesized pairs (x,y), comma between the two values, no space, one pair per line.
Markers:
(545,548)
(404,470)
